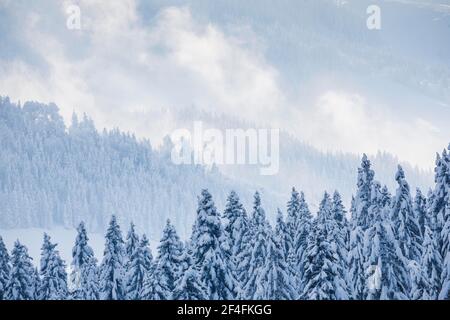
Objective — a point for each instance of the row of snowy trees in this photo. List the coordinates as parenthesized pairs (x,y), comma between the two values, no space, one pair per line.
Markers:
(53,174)
(392,247)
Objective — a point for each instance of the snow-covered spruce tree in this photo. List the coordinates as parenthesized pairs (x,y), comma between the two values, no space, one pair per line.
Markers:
(360,221)
(36,280)
(112,284)
(387,276)
(140,265)
(147,252)
(235,231)
(5,268)
(304,227)
(356,274)
(20,285)
(208,254)
(420,211)
(292,220)
(338,210)
(189,285)
(334,212)
(441,210)
(282,234)
(431,264)
(167,267)
(245,255)
(440,198)
(81,253)
(53,273)
(406,227)
(341,232)
(362,198)
(323,278)
(89,281)
(274,279)
(257,249)
(132,241)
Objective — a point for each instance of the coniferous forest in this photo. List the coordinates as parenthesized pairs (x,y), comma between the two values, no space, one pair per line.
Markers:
(252,151)
(393,246)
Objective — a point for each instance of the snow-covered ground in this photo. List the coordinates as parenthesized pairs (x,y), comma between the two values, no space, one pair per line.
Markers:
(65,238)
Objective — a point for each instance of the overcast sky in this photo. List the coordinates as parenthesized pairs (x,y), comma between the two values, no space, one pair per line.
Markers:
(134,64)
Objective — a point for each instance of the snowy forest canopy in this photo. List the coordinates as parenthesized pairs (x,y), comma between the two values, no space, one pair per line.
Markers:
(392,247)
(101,211)
(53,175)
(388,246)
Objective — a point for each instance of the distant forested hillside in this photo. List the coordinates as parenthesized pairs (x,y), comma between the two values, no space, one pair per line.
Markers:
(51,174)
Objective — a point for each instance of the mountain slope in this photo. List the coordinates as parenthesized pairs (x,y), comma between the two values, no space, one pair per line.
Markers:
(51,175)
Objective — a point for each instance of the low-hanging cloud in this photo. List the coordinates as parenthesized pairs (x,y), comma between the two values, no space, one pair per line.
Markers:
(134,74)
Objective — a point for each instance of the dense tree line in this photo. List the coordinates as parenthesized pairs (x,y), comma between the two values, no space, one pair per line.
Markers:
(53,175)
(390,247)
(57,175)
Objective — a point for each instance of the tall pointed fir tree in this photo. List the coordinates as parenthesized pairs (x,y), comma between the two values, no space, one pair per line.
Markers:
(341,232)
(332,211)
(385,266)
(112,285)
(20,285)
(431,264)
(235,232)
(167,267)
(362,198)
(257,250)
(5,268)
(132,241)
(282,234)
(81,254)
(295,227)
(292,223)
(144,244)
(274,279)
(304,227)
(53,273)
(441,210)
(140,265)
(36,280)
(215,271)
(406,227)
(244,256)
(440,197)
(324,277)
(356,274)
(360,221)
(189,285)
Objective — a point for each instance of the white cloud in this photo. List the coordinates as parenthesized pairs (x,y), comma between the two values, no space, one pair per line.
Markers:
(129,69)
(128,74)
(348,121)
